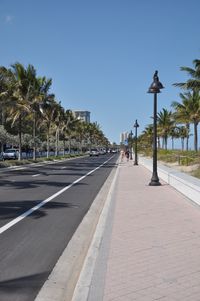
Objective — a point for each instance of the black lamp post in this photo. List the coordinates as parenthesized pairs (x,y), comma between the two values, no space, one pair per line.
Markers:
(131,137)
(155,88)
(136,125)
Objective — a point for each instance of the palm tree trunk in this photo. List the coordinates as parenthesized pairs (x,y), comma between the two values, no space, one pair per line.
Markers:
(81,146)
(20,138)
(47,143)
(57,140)
(187,138)
(34,134)
(165,142)
(158,142)
(195,136)
(187,143)
(69,145)
(182,144)
(64,147)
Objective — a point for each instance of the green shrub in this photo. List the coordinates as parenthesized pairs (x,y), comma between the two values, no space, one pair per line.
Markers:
(8,163)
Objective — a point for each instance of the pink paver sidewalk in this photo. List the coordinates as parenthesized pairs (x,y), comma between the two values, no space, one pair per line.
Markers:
(154,251)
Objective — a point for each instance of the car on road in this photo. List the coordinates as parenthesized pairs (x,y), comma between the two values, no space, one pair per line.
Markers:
(102,151)
(11,153)
(94,152)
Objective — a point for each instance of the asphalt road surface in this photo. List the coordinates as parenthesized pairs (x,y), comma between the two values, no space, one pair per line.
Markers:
(41,206)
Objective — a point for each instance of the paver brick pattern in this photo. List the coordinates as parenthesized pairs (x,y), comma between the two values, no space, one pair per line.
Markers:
(154,251)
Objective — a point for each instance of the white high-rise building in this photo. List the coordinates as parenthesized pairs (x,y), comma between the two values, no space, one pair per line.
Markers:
(124,137)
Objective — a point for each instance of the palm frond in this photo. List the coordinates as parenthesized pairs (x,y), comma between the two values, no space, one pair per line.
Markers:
(189,70)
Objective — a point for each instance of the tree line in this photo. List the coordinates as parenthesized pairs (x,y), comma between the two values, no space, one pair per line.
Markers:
(185,112)
(32,118)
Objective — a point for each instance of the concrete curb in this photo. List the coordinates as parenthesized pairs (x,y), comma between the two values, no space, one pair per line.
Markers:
(184,183)
(84,282)
(62,281)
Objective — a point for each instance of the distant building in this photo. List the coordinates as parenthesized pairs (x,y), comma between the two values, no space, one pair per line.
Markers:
(121,139)
(124,137)
(82,115)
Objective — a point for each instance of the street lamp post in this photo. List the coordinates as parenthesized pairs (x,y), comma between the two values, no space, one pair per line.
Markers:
(155,89)
(136,125)
(131,137)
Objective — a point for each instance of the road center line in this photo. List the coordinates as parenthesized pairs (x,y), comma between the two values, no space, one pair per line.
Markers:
(38,174)
(30,211)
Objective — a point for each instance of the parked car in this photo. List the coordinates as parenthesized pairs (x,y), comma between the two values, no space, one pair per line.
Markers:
(102,151)
(94,152)
(11,153)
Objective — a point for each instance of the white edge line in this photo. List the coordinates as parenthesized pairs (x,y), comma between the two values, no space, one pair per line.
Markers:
(30,211)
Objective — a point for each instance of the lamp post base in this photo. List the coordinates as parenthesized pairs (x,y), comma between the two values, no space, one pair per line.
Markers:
(154,180)
(153,183)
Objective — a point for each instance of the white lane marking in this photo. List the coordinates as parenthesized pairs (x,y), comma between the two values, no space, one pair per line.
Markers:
(63,167)
(38,174)
(30,211)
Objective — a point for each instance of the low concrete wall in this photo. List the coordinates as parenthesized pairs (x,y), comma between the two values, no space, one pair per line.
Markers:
(186,184)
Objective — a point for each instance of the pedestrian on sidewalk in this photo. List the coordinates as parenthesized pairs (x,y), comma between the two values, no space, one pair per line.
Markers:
(127,155)
(122,155)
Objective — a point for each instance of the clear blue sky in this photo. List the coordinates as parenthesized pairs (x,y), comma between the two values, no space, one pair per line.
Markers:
(102,54)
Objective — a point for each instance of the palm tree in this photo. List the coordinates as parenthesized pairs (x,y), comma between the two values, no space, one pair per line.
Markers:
(194,82)
(194,109)
(5,89)
(39,90)
(191,110)
(20,99)
(95,130)
(182,134)
(147,136)
(59,119)
(81,130)
(69,128)
(174,133)
(165,124)
(49,111)
(90,134)
(182,114)
(193,85)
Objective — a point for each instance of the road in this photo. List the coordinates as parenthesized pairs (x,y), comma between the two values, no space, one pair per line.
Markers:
(41,206)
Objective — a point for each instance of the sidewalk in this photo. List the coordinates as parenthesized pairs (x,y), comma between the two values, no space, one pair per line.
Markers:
(150,247)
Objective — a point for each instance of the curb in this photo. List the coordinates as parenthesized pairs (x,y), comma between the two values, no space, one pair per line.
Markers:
(84,282)
(182,182)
